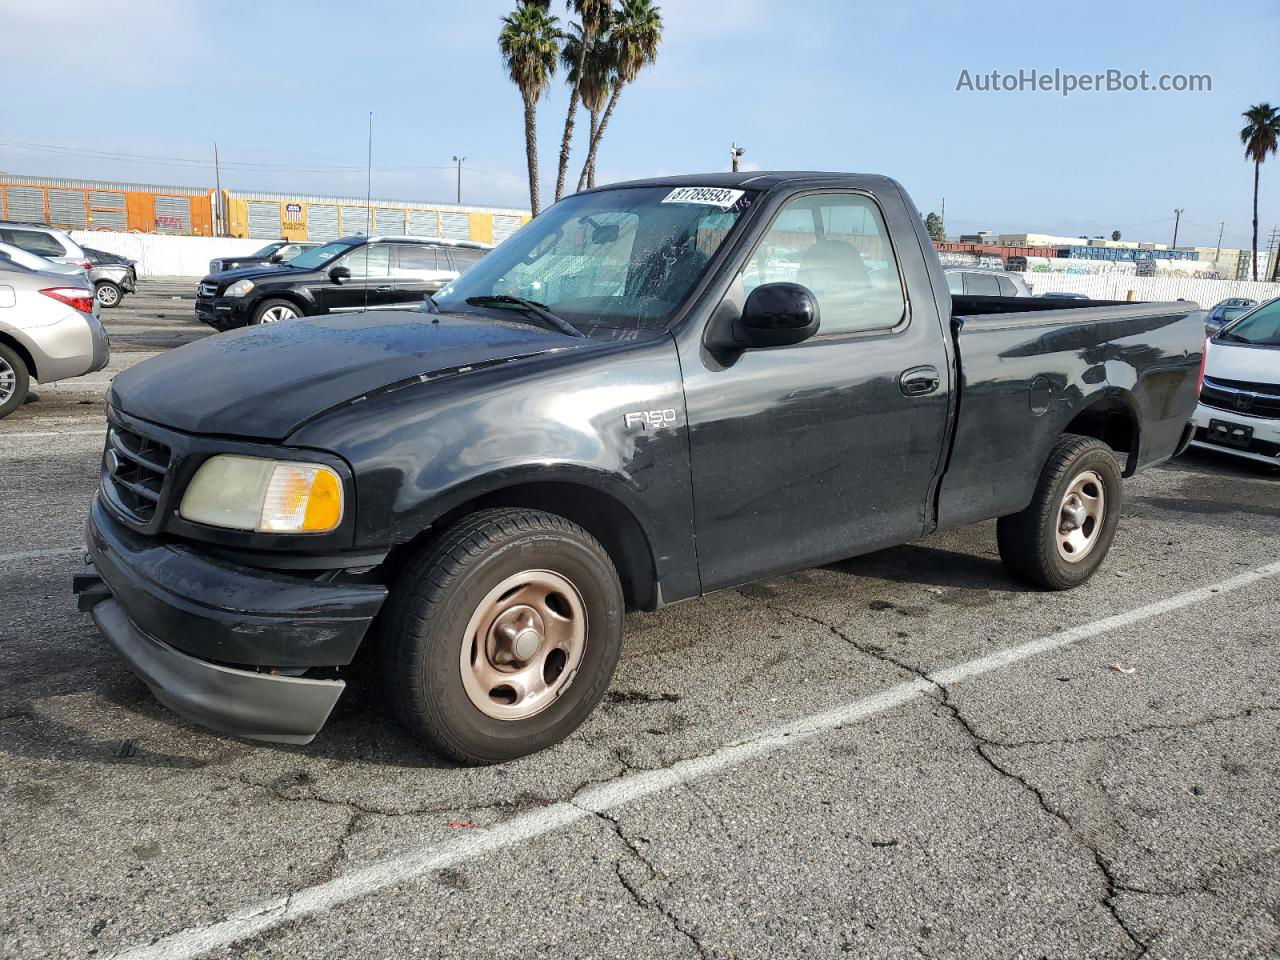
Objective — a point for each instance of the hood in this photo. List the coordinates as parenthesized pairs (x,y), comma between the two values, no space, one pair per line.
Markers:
(253,272)
(1239,361)
(264,382)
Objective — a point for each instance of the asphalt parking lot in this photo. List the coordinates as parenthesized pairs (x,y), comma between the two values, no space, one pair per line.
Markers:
(902,755)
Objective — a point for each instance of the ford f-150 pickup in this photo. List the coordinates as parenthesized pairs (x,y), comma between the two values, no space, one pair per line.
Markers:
(654,390)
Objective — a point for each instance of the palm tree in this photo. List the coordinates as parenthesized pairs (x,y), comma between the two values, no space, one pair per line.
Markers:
(1259,136)
(530,44)
(635,35)
(594,15)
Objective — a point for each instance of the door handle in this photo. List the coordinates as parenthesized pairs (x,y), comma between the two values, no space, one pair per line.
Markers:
(381,289)
(919,381)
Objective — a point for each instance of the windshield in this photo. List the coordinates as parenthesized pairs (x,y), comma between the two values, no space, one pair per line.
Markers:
(268,250)
(319,256)
(624,258)
(1261,326)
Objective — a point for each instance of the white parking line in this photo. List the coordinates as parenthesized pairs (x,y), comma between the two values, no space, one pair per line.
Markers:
(39,554)
(34,434)
(417,862)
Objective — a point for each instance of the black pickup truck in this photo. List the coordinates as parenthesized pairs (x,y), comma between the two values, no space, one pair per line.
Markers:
(655,390)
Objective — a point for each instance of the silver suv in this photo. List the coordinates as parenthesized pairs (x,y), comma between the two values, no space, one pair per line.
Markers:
(47,242)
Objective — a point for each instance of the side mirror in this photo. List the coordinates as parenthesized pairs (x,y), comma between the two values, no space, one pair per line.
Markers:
(777,315)
(338,274)
(275,257)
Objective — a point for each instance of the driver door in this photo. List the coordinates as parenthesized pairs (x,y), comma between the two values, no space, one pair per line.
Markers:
(369,285)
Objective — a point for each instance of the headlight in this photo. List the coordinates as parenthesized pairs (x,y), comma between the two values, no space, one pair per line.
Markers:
(238,289)
(269,496)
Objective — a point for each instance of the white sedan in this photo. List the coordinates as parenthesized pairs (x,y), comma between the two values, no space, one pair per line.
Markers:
(1239,411)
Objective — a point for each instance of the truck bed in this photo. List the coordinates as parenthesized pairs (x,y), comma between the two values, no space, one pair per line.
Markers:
(1030,368)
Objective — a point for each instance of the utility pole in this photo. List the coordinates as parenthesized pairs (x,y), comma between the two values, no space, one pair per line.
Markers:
(1217,252)
(1270,266)
(1177,217)
(943,217)
(458,161)
(219,215)
(735,152)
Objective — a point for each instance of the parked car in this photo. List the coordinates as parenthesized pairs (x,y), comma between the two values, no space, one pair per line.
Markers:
(49,331)
(498,475)
(1226,311)
(1062,295)
(112,276)
(277,251)
(43,241)
(348,275)
(1239,411)
(31,261)
(983,282)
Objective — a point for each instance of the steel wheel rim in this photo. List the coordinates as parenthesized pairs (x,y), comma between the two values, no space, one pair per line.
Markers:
(276,314)
(523,645)
(1080,516)
(108,295)
(8,381)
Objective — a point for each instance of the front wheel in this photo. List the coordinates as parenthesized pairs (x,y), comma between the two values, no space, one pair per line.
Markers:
(1063,536)
(275,311)
(108,294)
(501,637)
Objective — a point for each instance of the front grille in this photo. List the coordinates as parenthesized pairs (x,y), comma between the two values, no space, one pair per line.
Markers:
(207,290)
(133,471)
(1243,397)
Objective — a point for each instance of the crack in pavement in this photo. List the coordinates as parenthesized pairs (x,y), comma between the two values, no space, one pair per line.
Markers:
(633,890)
(982,746)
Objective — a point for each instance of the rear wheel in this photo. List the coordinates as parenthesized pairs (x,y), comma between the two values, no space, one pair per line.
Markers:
(108,294)
(275,311)
(500,639)
(1063,536)
(15,381)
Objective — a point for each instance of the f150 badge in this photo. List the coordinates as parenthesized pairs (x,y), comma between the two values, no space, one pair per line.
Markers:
(644,419)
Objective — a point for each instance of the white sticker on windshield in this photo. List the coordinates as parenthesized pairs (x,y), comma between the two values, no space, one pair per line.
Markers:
(721,197)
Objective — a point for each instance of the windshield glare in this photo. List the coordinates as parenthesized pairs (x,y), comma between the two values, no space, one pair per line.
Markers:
(1261,326)
(622,258)
(319,256)
(268,250)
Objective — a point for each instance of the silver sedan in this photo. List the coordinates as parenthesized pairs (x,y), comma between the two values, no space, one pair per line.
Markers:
(49,330)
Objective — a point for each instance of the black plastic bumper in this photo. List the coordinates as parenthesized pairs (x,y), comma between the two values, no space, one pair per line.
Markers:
(242,703)
(170,610)
(222,313)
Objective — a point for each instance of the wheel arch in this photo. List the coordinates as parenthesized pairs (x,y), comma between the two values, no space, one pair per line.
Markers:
(599,512)
(305,308)
(18,347)
(1112,418)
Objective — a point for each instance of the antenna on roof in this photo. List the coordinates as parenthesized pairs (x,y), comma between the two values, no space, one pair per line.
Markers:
(368,210)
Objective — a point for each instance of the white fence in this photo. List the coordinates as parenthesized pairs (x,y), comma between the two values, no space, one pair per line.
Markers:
(164,256)
(1104,286)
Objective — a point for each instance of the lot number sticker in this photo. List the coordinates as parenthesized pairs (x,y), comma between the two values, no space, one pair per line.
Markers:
(721,197)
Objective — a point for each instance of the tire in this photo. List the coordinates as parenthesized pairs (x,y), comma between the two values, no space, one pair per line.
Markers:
(276,310)
(1063,536)
(15,381)
(109,294)
(441,648)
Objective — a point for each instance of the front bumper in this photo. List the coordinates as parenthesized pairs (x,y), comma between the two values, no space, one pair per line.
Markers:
(1263,447)
(211,638)
(222,313)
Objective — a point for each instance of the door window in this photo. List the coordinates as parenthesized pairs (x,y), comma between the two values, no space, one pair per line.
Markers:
(981,285)
(837,246)
(1007,289)
(35,242)
(371,260)
(416,260)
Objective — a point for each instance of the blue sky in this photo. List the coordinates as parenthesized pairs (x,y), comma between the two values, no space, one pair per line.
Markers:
(811,84)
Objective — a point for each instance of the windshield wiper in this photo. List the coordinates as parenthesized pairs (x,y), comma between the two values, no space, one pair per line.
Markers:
(530,307)
(1233,338)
